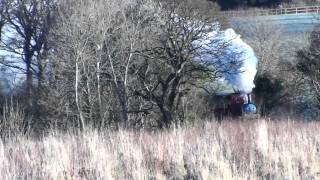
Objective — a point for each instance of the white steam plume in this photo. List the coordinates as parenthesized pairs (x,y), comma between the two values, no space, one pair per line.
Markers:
(236,54)
(243,81)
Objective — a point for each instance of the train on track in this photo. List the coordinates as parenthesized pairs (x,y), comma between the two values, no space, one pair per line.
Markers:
(234,105)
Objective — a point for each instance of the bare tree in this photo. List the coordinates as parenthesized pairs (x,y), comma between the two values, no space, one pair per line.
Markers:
(96,45)
(171,63)
(27,25)
(2,19)
(309,63)
(120,45)
(117,60)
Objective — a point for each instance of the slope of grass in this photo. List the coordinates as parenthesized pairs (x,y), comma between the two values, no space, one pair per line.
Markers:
(231,150)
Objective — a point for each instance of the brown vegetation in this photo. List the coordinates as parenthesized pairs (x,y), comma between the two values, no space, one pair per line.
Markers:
(258,149)
(101,77)
(109,63)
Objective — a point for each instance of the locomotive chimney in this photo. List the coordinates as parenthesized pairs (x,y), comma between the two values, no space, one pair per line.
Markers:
(249,98)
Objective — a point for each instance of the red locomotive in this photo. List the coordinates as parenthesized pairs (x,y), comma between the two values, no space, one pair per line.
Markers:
(233,105)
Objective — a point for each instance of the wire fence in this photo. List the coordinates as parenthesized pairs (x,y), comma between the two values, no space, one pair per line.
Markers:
(279,11)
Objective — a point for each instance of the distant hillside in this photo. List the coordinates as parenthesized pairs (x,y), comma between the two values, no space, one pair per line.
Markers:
(235,4)
(291,23)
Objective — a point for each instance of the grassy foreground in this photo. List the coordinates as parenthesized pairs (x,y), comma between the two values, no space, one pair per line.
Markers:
(230,150)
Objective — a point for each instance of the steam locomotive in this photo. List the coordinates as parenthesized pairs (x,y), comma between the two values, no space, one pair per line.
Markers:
(234,105)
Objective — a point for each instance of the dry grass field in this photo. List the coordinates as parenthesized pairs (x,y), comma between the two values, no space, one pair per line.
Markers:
(231,150)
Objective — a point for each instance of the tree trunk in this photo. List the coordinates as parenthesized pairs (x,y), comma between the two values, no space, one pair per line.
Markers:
(1,27)
(29,82)
(166,117)
(122,97)
(29,79)
(81,122)
(101,116)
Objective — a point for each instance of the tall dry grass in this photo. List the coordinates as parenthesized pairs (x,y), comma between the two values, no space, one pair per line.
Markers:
(231,150)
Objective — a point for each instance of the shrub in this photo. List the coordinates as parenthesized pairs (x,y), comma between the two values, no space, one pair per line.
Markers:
(269,92)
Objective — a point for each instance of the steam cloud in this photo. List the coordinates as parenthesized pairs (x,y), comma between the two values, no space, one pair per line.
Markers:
(239,61)
(243,80)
